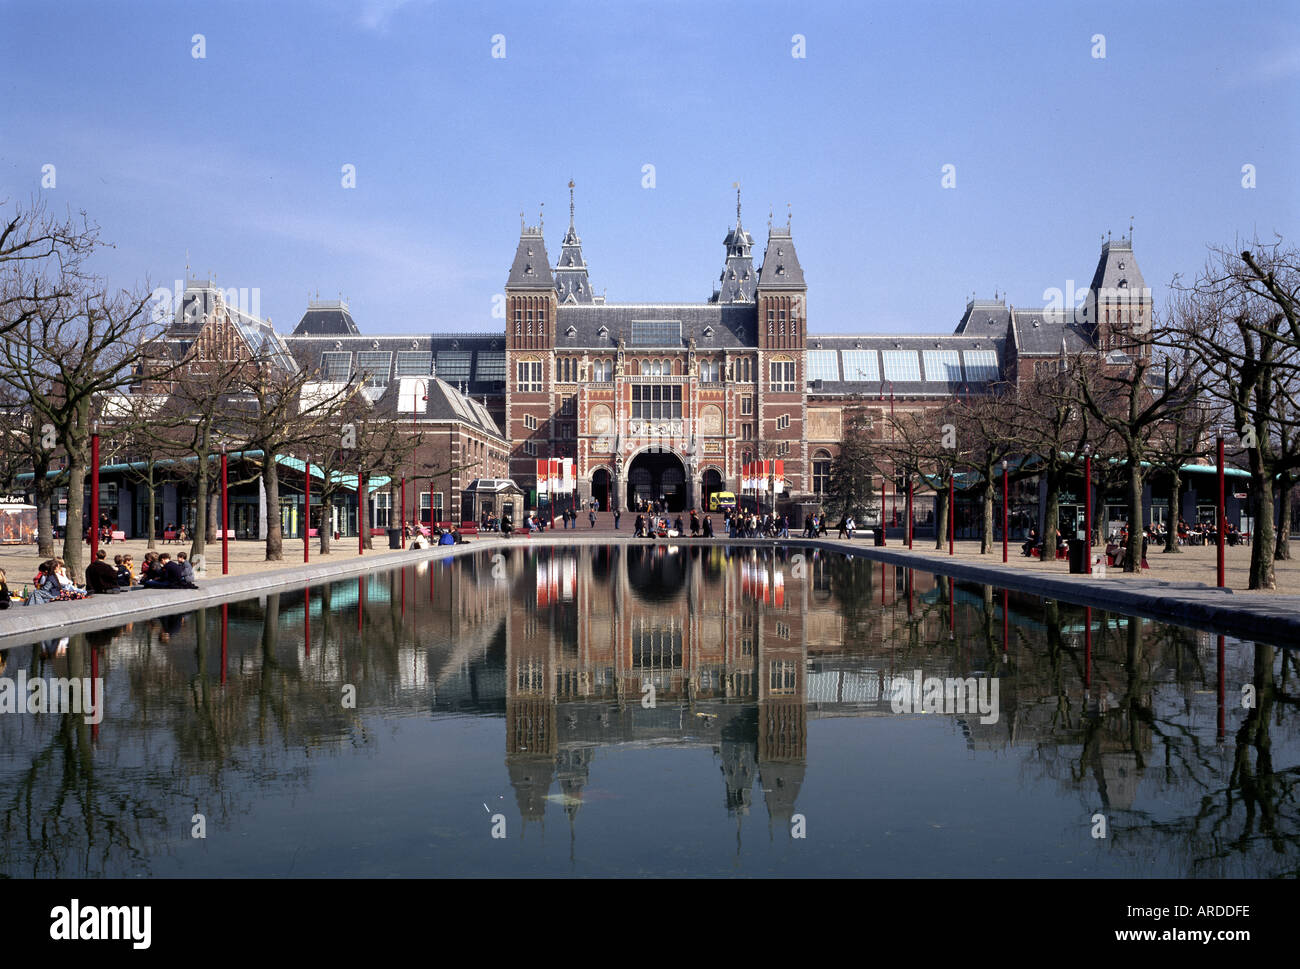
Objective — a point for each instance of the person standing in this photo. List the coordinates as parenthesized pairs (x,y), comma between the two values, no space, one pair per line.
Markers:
(708,527)
(617,516)
(591,516)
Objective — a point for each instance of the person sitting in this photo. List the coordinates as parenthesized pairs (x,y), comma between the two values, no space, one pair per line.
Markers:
(4,599)
(507,526)
(45,587)
(638,527)
(677,526)
(447,538)
(187,570)
(123,573)
(100,576)
(1031,543)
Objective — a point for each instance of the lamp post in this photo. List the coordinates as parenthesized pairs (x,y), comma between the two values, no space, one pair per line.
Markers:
(94,492)
(306,528)
(1087,505)
(225,533)
(1222,515)
(1004,511)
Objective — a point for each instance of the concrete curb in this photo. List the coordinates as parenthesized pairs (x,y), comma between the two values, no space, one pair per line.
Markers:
(21,625)
(1272,618)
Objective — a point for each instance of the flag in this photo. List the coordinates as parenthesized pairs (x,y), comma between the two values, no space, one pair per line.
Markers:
(543,478)
(778,481)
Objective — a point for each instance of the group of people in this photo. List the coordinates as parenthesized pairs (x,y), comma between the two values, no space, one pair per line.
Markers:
(1202,533)
(180,535)
(748,524)
(655,525)
(53,584)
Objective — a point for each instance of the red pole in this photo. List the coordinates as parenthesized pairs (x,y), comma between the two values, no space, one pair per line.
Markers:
(1087,647)
(225,518)
(96,699)
(361,497)
(402,523)
(306,528)
(1087,506)
(1223,517)
(1005,636)
(952,510)
(1004,512)
(1221,687)
(225,623)
(306,618)
(94,492)
(909,511)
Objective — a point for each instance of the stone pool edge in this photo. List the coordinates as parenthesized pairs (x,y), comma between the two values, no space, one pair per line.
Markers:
(1271,618)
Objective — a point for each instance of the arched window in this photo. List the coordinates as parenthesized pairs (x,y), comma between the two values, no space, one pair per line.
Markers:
(821,472)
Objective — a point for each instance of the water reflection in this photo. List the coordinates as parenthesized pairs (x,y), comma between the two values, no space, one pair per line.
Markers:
(779,668)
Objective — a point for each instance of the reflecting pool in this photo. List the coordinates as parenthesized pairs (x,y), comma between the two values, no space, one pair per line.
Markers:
(650,709)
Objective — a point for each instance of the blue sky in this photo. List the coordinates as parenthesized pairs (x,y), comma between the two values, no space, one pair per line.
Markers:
(237,157)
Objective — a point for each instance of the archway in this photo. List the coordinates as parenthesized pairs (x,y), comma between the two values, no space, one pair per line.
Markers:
(600,488)
(656,476)
(711,482)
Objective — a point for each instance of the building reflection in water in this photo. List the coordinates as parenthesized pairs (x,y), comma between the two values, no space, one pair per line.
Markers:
(734,652)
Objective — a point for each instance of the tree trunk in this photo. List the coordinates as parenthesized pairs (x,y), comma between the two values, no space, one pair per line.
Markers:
(362,526)
(1282,550)
(1133,557)
(214,514)
(43,492)
(199,534)
(1264,543)
(1171,526)
(986,525)
(1051,514)
(153,508)
(274,533)
(940,518)
(77,463)
(326,522)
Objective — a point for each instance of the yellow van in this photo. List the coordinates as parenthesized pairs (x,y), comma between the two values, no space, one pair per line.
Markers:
(722,499)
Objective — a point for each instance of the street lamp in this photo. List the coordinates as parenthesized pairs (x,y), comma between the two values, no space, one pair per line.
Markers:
(1222,515)
(1004,511)
(1087,504)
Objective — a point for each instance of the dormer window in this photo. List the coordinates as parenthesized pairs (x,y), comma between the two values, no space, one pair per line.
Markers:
(780,270)
(708,333)
(570,331)
(603,333)
(1123,284)
(1121,264)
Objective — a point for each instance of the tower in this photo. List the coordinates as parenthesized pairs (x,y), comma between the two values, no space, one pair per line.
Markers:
(530,354)
(1119,303)
(738,280)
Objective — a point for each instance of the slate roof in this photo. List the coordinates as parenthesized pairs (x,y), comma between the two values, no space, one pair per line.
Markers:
(327,318)
(781,268)
(444,403)
(985,317)
(531,269)
(486,355)
(1040,332)
(714,325)
(1117,269)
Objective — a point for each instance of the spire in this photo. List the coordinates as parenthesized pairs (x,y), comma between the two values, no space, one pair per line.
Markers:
(739,278)
(572,284)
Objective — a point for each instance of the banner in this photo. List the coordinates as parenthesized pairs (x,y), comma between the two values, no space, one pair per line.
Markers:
(543,478)
(778,482)
(567,480)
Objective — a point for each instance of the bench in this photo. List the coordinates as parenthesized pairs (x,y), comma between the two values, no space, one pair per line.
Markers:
(119,536)
(469,528)
(169,536)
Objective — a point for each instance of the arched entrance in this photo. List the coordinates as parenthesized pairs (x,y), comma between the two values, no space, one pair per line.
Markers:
(711,482)
(600,488)
(656,476)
